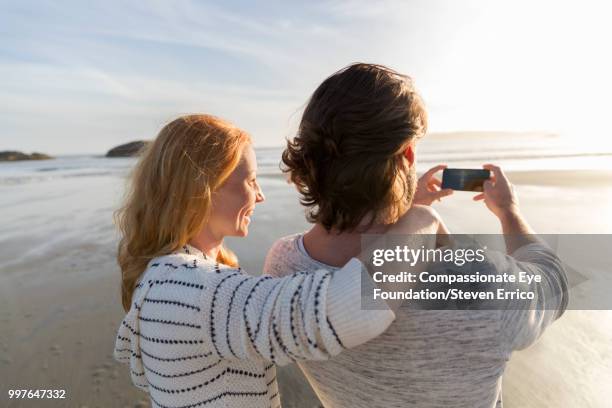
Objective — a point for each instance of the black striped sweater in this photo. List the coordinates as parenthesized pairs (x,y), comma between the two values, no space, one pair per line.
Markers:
(201,334)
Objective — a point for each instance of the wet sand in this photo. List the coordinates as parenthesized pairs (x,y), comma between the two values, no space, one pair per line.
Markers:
(60,307)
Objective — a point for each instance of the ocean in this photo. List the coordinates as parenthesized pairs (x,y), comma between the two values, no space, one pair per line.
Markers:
(512,151)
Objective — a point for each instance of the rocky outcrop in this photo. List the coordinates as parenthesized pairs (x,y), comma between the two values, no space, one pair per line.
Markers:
(9,155)
(128,150)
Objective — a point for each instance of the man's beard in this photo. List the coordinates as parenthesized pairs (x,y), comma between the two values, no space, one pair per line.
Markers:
(411,185)
(404,188)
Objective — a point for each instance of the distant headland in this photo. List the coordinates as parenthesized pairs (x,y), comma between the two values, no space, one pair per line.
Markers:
(10,155)
(128,149)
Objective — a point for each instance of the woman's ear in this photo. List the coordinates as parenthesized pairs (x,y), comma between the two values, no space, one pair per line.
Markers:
(409,154)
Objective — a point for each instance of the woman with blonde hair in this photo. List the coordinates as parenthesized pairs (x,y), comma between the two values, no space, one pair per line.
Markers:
(199,331)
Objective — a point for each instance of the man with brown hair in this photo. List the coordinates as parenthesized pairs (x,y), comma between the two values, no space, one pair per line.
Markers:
(353,163)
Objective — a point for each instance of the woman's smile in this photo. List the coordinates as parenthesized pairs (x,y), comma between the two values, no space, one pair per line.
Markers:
(247,216)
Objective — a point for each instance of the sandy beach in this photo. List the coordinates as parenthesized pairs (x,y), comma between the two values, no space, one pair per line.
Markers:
(60,303)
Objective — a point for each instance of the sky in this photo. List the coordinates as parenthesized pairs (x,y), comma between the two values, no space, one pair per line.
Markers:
(82,77)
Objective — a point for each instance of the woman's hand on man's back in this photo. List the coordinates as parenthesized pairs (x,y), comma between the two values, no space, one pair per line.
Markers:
(419,219)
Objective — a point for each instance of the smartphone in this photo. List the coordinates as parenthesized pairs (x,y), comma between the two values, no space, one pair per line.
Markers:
(465,179)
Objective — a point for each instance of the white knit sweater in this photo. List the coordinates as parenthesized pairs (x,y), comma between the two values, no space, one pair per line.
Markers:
(201,334)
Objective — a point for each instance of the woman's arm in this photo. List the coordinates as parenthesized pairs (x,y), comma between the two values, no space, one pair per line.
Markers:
(304,316)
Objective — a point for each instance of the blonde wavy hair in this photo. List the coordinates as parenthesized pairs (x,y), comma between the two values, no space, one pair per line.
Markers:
(169,194)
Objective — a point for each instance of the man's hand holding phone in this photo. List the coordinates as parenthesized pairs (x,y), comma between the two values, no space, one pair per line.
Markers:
(498,193)
(429,188)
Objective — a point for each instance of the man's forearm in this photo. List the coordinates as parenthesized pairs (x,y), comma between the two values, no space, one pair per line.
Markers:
(517,232)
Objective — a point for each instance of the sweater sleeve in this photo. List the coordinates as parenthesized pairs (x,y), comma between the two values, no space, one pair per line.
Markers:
(304,316)
(525,321)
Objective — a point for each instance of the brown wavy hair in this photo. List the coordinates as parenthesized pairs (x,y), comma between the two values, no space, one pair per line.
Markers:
(346,159)
(169,194)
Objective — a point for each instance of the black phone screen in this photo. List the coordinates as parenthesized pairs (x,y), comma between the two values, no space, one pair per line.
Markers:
(465,179)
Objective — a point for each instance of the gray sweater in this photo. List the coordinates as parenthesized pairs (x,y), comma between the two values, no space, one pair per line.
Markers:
(432,358)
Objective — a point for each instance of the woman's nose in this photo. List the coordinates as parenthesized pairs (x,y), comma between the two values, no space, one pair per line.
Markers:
(260,195)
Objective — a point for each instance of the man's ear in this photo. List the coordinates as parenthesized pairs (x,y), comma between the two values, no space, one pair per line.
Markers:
(409,154)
